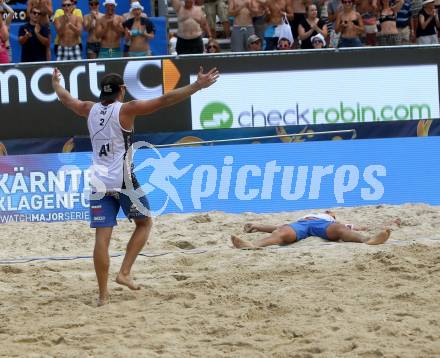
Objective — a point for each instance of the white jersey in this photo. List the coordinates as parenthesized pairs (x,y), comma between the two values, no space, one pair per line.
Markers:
(110,143)
(320,216)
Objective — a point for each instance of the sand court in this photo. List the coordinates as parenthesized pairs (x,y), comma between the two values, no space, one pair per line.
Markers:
(201,298)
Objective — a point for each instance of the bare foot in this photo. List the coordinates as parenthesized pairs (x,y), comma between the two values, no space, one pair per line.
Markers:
(126,280)
(380,238)
(103,300)
(240,243)
(249,227)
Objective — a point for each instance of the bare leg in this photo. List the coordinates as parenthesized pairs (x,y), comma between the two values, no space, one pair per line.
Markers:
(101,260)
(283,235)
(249,227)
(227,29)
(336,232)
(134,246)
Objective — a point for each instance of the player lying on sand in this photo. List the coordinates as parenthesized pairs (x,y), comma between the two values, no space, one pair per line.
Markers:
(323,225)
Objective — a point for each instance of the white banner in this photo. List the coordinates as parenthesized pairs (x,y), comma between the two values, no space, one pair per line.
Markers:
(368,94)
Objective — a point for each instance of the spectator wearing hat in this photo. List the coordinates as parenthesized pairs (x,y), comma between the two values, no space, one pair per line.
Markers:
(138,32)
(110,30)
(254,43)
(311,26)
(212,46)
(90,21)
(33,38)
(191,22)
(318,41)
(68,29)
(127,16)
(428,24)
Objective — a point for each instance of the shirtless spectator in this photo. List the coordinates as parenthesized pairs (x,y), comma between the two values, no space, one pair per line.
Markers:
(33,38)
(368,10)
(68,28)
(46,9)
(349,24)
(243,24)
(60,12)
(138,32)
(276,9)
(214,8)
(90,21)
(191,22)
(109,30)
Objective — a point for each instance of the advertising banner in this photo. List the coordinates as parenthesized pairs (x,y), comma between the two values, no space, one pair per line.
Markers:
(292,98)
(247,178)
(271,89)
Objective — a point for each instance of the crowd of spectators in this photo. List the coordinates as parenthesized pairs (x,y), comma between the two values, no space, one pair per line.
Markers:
(248,25)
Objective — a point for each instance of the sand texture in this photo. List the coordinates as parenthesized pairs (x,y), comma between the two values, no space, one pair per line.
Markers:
(202,298)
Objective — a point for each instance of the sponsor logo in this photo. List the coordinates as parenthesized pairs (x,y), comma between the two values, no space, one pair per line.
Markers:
(216,115)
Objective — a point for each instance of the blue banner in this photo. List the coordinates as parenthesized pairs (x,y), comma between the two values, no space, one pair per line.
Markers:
(235,178)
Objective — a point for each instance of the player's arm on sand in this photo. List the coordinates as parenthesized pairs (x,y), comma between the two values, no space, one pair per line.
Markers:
(81,108)
(139,107)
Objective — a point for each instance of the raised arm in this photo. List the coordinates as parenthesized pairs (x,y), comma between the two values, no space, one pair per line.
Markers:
(81,108)
(138,107)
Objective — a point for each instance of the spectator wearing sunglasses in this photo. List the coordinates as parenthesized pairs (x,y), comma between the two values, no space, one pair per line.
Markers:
(254,43)
(284,44)
(349,23)
(90,20)
(212,46)
(33,38)
(138,32)
(60,12)
(318,41)
(110,31)
(68,29)
(46,9)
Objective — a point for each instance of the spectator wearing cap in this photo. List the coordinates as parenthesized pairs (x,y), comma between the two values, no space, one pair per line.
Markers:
(191,21)
(318,41)
(68,29)
(138,32)
(212,46)
(33,38)
(110,30)
(428,24)
(90,21)
(254,43)
(214,8)
(311,26)
(60,12)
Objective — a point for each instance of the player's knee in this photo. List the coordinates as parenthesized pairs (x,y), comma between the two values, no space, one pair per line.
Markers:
(284,236)
(146,222)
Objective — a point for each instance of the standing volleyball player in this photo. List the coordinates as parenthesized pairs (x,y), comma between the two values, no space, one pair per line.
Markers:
(110,124)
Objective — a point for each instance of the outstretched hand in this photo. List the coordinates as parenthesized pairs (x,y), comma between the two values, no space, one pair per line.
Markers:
(205,80)
(56,75)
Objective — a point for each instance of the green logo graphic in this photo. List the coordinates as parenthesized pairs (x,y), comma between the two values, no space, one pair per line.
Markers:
(216,115)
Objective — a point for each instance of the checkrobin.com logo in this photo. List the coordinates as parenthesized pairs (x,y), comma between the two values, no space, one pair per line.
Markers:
(216,115)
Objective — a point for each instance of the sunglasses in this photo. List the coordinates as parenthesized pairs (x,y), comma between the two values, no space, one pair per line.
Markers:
(93,3)
(211,46)
(67,5)
(36,13)
(347,2)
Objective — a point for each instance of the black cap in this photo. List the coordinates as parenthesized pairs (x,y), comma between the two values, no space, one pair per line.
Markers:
(110,86)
